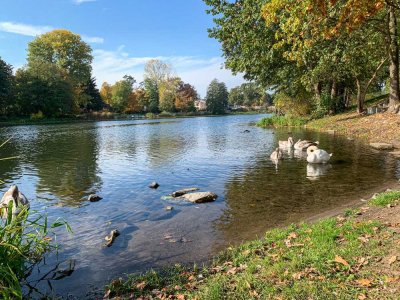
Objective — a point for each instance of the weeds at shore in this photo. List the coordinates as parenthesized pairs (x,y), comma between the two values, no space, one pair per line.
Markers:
(281,121)
(385,199)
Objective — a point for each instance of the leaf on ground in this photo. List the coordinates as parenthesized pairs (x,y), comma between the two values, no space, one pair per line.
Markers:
(361,297)
(246,252)
(297,275)
(390,279)
(180,297)
(141,285)
(364,282)
(392,259)
(291,236)
(341,260)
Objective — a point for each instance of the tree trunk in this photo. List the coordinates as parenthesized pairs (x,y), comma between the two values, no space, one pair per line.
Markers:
(317,91)
(360,97)
(334,94)
(394,92)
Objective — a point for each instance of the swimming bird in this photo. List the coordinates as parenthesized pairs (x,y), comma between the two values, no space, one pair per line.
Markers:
(304,144)
(286,144)
(317,156)
(277,154)
(19,201)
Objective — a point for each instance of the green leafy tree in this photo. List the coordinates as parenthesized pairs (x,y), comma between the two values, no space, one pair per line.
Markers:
(68,52)
(106,92)
(217,97)
(152,96)
(95,102)
(121,92)
(43,88)
(168,90)
(6,84)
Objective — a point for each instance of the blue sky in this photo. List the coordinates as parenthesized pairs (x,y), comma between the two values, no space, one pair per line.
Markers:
(123,34)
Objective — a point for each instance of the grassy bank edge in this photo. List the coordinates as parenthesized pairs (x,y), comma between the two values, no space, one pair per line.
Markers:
(333,258)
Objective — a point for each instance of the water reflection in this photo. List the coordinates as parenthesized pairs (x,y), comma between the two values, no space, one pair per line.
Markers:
(315,171)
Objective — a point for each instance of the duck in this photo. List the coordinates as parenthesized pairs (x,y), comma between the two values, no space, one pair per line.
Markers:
(317,156)
(304,144)
(19,201)
(286,144)
(277,154)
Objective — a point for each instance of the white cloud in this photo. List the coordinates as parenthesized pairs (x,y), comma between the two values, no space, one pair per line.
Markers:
(33,30)
(111,66)
(23,29)
(77,2)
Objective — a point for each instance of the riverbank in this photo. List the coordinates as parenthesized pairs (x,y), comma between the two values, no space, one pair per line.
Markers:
(355,255)
(381,127)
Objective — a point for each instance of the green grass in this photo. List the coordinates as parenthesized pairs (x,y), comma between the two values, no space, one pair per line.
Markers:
(310,261)
(282,121)
(385,199)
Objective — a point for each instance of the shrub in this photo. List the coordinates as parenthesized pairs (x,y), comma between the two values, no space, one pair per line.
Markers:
(282,121)
(37,116)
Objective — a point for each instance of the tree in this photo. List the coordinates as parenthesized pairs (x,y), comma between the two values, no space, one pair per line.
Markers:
(217,97)
(168,93)
(6,84)
(157,71)
(120,93)
(95,101)
(152,96)
(68,52)
(106,92)
(43,88)
(185,97)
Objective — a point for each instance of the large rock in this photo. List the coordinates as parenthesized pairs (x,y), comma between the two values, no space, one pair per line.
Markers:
(382,146)
(183,192)
(201,197)
(94,198)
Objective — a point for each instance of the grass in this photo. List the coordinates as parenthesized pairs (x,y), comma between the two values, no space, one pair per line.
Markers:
(282,121)
(326,260)
(385,199)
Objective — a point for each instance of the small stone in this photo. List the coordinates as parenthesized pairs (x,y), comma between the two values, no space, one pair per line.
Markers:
(169,208)
(382,146)
(154,185)
(94,198)
(183,192)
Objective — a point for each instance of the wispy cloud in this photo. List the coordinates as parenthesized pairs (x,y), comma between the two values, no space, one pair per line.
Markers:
(33,30)
(111,66)
(77,2)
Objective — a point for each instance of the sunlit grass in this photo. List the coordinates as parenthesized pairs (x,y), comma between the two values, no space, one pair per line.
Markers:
(282,121)
(385,199)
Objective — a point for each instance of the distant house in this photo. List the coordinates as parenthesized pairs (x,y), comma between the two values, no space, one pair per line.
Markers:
(200,105)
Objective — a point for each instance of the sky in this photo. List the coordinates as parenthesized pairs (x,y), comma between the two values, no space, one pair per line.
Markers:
(123,34)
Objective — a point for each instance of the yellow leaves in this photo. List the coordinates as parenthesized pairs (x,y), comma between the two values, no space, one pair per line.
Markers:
(341,260)
(391,259)
(364,282)
(361,297)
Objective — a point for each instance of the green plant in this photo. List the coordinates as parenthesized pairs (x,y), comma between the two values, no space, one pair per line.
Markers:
(282,121)
(150,115)
(37,116)
(385,198)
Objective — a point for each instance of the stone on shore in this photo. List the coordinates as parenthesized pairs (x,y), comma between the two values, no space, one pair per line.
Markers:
(201,197)
(154,185)
(183,192)
(94,198)
(382,146)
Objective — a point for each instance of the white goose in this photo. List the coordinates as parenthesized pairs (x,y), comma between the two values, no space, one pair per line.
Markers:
(286,144)
(304,144)
(19,200)
(277,154)
(317,156)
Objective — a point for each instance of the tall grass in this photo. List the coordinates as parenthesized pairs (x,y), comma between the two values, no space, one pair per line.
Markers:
(282,121)
(23,242)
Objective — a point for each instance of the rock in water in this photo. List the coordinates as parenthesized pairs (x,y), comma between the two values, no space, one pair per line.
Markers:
(111,237)
(382,146)
(94,198)
(202,197)
(154,185)
(168,208)
(183,192)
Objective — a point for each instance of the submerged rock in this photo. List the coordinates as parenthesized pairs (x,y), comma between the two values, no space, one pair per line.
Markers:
(168,208)
(154,185)
(183,192)
(382,146)
(201,197)
(94,198)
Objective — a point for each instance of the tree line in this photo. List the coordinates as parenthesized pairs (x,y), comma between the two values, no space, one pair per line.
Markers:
(57,81)
(318,56)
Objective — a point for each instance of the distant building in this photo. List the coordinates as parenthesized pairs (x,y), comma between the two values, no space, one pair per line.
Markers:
(200,105)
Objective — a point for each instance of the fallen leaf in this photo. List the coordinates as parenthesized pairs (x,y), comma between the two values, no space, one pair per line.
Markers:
(340,260)
(246,252)
(177,287)
(141,285)
(392,259)
(390,279)
(180,297)
(293,235)
(364,282)
(361,297)
(297,275)
(363,239)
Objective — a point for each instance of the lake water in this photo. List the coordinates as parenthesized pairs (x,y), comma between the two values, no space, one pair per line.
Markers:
(60,165)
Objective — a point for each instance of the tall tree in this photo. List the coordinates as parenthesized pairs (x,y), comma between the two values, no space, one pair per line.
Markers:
(157,71)
(95,102)
(217,97)
(168,93)
(152,96)
(68,52)
(121,91)
(106,92)
(185,97)
(6,83)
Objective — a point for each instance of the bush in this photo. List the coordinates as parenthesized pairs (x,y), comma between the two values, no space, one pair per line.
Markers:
(282,121)
(166,114)
(300,105)
(37,116)
(150,115)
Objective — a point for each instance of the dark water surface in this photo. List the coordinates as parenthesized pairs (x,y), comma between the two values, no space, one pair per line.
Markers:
(60,165)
